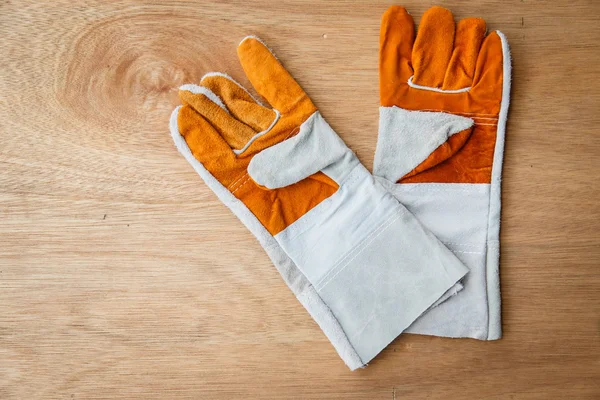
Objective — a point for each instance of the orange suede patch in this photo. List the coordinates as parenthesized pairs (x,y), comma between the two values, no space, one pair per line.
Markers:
(211,133)
(469,35)
(239,102)
(433,47)
(233,131)
(442,153)
(442,58)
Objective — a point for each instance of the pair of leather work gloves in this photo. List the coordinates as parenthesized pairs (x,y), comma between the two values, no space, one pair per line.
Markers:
(413,247)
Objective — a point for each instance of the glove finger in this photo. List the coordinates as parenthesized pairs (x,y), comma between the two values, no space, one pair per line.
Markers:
(433,47)
(461,69)
(487,84)
(442,153)
(239,101)
(315,147)
(206,145)
(211,107)
(396,39)
(270,79)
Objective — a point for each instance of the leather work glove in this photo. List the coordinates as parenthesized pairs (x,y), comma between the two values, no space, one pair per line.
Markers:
(444,103)
(356,259)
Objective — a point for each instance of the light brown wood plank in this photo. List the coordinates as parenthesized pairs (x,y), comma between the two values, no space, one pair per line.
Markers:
(123,276)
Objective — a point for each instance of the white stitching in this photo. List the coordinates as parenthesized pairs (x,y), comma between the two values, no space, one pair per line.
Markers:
(459,186)
(493,119)
(365,325)
(259,134)
(448,190)
(434,89)
(233,187)
(358,246)
(206,92)
(237,180)
(238,188)
(246,181)
(303,225)
(464,244)
(339,267)
(361,247)
(225,76)
(459,112)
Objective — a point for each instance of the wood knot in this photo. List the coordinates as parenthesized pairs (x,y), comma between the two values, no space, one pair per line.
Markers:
(125,71)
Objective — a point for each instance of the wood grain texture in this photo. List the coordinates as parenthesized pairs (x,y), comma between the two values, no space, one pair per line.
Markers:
(123,276)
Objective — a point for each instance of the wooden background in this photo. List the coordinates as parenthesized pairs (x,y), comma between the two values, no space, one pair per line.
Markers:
(123,276)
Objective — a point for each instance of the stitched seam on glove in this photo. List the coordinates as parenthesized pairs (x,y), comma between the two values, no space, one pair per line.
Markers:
(340,265)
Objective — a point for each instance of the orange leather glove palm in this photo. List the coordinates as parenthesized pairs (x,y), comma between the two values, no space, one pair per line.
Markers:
(444,95)
(358,261)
